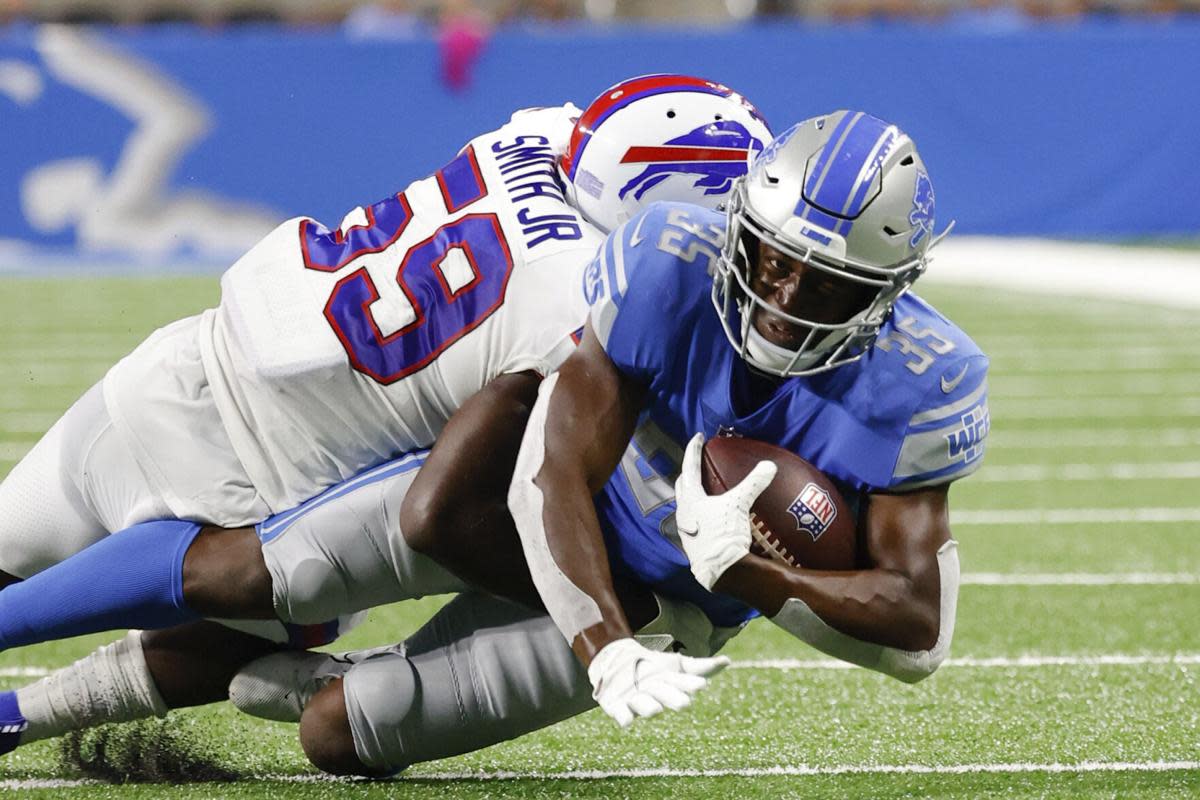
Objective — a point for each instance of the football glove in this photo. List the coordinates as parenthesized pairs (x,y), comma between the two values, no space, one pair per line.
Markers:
(715,529)
(629,681)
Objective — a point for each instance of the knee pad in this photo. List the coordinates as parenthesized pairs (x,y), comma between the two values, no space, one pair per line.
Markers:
(480,672)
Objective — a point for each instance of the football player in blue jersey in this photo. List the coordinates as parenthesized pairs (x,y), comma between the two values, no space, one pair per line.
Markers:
(892,432)
(789,320)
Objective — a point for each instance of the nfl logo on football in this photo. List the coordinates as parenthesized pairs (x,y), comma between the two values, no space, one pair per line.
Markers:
(814,510)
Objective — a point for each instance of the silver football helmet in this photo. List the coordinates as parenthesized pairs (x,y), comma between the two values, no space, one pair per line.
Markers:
(846,194)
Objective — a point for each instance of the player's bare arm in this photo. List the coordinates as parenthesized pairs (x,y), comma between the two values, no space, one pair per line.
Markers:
(894,603)
(588,410)
(456,511)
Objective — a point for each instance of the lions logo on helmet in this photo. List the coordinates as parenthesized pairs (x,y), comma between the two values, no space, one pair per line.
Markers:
(660,137)
(922,211)
(845,194)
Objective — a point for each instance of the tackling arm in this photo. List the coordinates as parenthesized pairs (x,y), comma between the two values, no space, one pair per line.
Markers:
(456,510)
(896,617)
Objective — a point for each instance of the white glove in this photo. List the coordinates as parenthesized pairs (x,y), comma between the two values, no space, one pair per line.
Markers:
(629,681)
(715,529)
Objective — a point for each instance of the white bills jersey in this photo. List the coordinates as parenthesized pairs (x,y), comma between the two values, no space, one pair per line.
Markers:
(335,350)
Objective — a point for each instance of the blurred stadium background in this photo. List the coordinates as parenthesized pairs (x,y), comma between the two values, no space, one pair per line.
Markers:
(159,138)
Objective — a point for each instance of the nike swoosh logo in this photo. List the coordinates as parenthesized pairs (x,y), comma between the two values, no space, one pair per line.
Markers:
(637,237)
(686,532)
(949,386)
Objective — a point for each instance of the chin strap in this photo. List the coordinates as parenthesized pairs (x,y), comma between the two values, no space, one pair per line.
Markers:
(909,666)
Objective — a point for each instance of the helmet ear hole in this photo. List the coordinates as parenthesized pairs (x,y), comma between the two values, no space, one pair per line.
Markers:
(670,113)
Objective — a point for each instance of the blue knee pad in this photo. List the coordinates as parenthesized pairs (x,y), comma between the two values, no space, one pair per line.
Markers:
(131,579)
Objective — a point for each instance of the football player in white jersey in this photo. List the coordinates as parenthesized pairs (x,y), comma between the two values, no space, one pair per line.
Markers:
(332,351)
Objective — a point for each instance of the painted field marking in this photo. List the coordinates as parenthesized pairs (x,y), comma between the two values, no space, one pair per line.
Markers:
(1092,437)
(1071,516)
(1066,370)
(799,770)
(1015,473)
(1055,269)
(1020,662)
(1079,579)
(1014,662)
(1082,408)
(1053,391)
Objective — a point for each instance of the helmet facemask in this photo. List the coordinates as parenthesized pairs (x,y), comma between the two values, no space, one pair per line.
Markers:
(879,249)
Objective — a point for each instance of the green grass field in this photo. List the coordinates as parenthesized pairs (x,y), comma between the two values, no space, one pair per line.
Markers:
(1077,651)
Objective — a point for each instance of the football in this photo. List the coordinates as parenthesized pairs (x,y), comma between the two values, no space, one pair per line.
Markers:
(800,519)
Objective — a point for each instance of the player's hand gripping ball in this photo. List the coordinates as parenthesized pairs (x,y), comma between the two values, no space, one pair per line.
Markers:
(800,519)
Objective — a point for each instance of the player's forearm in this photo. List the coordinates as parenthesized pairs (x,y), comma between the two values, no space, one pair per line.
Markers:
(859,633)
(551,503)
(877,606)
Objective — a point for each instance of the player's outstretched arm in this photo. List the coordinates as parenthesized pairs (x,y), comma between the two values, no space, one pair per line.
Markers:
(896,617)
(580,425)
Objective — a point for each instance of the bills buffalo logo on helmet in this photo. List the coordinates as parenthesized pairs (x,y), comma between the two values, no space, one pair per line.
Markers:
(716,153)
(814,510)
(922,210)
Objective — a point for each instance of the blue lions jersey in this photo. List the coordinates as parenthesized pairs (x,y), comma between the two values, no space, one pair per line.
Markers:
(912,412)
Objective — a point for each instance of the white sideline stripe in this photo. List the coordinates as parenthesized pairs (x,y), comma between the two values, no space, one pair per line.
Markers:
(1069,516)
(1079,579)
(1161,470)
(799,770)
(1165,277)
(1092,437)
(1026,662)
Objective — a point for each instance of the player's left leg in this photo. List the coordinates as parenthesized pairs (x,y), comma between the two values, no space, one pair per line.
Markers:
(481,671)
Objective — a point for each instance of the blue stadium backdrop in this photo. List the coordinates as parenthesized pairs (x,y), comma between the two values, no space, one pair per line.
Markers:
(170,143)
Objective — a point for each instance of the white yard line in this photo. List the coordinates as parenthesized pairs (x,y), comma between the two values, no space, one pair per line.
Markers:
(799,770)
(1069,516)
(1015,662)
(1020,662)
(1052,386)
(1079,579)
(1016,473)
(1092,437)
(1005,410)
(1070,372)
